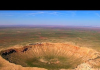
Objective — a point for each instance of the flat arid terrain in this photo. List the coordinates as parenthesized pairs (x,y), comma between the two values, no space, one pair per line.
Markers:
(49,48)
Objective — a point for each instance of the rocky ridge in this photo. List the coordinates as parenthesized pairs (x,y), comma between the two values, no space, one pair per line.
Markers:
(90,57)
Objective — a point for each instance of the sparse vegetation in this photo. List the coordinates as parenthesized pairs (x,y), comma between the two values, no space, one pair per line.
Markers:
(82,37)
(48,55)
(87,37)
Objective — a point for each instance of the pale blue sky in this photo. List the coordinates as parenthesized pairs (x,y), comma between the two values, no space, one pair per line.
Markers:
(50,17)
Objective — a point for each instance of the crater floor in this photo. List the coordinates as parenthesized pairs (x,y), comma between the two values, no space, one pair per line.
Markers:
(52,56)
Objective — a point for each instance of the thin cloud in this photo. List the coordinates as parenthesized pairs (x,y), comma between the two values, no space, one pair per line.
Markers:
(2,14)
(72,13)
(36,13)
(9,15)
(41,13)
(54,13)
(97,14)
(57,13)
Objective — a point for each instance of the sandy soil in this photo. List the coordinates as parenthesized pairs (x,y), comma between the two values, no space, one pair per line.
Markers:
(78,51)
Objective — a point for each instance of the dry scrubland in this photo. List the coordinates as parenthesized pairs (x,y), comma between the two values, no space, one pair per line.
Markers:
(61,48)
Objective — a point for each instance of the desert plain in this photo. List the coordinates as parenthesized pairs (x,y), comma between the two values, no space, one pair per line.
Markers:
(49,48)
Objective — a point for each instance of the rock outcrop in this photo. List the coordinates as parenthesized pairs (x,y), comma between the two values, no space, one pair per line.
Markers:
(88,58)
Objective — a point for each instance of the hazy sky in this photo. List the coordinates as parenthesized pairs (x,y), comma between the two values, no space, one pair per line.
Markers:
(50,17)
